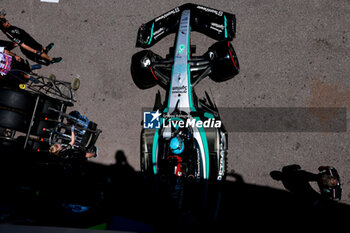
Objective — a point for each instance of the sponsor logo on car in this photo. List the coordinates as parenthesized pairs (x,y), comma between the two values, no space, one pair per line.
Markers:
(179,90)
(219,13)
(172,12)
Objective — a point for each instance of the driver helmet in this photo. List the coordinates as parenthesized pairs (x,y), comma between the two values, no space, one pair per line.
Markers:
(177,145)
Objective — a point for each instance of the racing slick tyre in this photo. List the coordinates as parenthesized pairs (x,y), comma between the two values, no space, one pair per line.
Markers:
(225,64)
(40,126)
(7,143)
(141,70)
(38,146)
(13,120)
(16,99)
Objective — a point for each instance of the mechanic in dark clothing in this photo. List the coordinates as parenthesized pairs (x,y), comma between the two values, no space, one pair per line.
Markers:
(329,183)
(297,181)
(8,45)
(30,47)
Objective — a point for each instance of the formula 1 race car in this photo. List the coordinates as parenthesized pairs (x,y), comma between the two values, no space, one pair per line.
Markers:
(190,141)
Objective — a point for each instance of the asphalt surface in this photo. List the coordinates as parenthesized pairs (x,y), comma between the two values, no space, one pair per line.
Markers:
(291,53)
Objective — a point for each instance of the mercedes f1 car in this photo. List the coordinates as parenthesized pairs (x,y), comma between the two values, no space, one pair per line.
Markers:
(182,145)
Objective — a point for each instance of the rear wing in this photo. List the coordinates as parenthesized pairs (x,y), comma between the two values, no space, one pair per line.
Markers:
(216,24)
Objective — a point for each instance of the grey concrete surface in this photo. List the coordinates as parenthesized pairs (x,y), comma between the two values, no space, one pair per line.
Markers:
(291,53)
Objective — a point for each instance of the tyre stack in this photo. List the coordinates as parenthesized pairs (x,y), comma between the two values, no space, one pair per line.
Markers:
(16,109)
(45,119)
(16,112)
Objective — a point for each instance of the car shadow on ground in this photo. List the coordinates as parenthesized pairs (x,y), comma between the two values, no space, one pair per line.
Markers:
(39,190)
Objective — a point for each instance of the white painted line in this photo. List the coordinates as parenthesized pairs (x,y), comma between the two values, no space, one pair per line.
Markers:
(53,1)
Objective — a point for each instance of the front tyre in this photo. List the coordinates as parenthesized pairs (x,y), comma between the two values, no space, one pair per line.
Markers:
(141,70)
(225,63)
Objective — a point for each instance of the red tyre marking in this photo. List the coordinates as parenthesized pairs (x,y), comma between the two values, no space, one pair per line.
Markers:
(153,74)
(229,50)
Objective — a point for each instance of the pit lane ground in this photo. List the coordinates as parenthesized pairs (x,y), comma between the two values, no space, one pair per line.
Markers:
(291,53)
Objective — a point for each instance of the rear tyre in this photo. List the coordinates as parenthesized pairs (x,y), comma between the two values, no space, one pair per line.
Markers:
(16,99)
(13,120)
